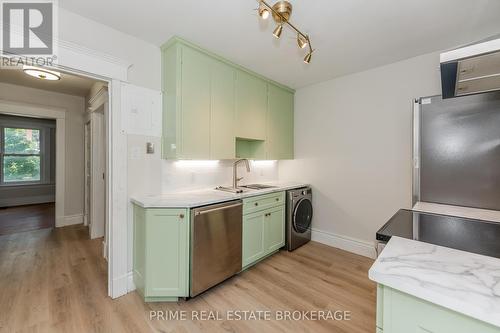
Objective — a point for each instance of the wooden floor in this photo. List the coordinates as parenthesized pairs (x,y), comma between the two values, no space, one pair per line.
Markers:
(54,280)
(26,218)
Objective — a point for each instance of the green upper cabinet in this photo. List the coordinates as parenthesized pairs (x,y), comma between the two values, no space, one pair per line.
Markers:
(195,103)
(222,136)
(279,123)
(251,106)
(215,109)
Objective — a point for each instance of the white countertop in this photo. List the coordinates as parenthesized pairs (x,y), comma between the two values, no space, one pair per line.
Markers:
(190,199)
(461,281)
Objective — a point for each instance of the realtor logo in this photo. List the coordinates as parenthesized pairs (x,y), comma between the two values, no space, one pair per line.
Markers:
(28,28)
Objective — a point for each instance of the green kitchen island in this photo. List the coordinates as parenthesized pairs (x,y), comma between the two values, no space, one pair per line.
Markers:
(427,288)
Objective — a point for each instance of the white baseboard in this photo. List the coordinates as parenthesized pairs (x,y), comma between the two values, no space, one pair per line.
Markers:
(130,284)
(120,286)
(105,250)
(356,246)
(26,200)
(69,220)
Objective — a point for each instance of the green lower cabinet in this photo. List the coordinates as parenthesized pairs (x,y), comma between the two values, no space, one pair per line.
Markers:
(274,223)
(161,253)
(398,312)
(263,230)
(253,237)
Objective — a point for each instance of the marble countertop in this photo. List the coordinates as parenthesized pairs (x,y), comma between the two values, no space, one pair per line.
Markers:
(190,199)
(461,281)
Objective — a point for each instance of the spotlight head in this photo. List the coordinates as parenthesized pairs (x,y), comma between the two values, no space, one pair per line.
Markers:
(301,41)
(307,58)
(277,31)
(263,12)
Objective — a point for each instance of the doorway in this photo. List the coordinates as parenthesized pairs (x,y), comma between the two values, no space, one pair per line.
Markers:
(48,120)
(27,173)
(95,168)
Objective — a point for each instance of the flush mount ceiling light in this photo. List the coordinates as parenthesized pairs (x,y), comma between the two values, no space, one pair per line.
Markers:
(282,10)
(42,73)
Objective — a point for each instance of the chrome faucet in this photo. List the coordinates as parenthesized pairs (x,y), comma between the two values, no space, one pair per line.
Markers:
(235,171)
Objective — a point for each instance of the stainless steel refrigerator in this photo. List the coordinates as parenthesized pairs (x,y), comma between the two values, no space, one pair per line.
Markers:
(456,150)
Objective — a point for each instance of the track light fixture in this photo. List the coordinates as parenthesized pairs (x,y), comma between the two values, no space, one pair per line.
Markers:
(281,11)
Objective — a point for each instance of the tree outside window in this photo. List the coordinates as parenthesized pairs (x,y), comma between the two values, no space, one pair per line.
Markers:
(21,155)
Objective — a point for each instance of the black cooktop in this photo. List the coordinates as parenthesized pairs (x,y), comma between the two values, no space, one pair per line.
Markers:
(476,236)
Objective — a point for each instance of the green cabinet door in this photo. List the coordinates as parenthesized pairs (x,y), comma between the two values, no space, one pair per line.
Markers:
(222,137)
(167,253)
(279,123)
(274,236)
(253,237)
(406,313)
(251,106)
(195,104)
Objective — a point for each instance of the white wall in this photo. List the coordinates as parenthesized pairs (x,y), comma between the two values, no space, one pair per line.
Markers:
(353,144)
(186,175)
(144,57)
(74,154)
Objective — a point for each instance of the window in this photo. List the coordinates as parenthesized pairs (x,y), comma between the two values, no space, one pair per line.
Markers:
(21,155)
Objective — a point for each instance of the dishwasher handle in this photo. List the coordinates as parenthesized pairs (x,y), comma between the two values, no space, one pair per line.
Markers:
(201,212)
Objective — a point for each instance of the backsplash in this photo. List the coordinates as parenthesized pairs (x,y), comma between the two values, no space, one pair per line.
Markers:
(192,175)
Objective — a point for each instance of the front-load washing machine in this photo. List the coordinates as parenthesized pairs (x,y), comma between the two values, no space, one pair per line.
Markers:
(298,218)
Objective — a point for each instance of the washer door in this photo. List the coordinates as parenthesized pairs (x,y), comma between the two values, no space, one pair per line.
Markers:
(302,215)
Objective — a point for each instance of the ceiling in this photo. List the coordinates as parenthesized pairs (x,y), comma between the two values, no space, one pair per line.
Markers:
(68,84)
(349,35)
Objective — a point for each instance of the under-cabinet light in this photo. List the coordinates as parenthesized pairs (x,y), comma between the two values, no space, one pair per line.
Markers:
(196,163)
(263,163)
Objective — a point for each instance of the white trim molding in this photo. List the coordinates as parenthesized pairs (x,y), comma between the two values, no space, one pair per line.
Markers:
(98,99)
(130,282)
(73,57)
(59,114)
(356,246)
(71,220)
(27,200)
(80,60)
(33,110)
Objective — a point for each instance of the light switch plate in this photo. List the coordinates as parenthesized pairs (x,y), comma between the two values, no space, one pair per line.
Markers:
(150,148)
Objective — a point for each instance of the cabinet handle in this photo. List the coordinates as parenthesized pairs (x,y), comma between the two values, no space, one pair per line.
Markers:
(181,216)
(256,204)
(277,199)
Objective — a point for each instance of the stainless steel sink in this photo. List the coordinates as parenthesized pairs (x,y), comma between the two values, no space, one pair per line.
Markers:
(258,186)
(244,188)
(230,189)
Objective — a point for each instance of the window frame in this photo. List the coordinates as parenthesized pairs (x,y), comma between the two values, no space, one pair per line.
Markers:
(41,154)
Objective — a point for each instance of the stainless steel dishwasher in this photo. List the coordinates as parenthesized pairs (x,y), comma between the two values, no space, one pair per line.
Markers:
(215,244)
